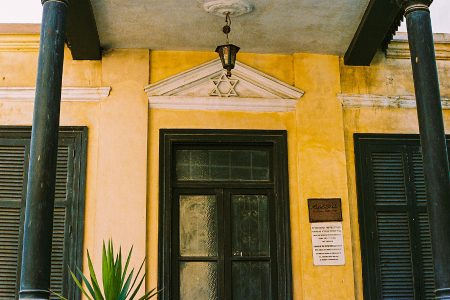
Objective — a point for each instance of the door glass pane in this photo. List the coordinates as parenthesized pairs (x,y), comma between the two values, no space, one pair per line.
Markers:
(198,281)
(251,280)
(250,225)
(222,165)
(198,225)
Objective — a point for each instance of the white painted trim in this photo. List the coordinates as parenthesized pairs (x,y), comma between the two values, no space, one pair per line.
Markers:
(275,95)
(67,93)
(20,42)
(439,38)
(380,101)
(273,85)
(222,104)
(398,48)
(181,81)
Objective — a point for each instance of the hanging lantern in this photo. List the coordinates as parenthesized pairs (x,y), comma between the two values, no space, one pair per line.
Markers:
(227,52)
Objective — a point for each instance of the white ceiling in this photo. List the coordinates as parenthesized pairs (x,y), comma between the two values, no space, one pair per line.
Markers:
(275,26)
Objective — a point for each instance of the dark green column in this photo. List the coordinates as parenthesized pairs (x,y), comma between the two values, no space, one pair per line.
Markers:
(432,136)
(38,226)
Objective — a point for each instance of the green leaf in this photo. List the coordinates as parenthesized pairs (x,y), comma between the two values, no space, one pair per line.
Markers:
(79,285)
(150,294)
(117,284)
(58,295)
(85,280)
(107,268)
(95,285)
(127,263)
(136,277)
(138,287)
(124,292)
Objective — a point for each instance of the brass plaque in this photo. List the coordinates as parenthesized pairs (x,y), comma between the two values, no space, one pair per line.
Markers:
(324,210)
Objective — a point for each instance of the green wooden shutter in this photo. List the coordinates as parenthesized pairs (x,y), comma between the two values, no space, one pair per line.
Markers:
(394,226)
(12,176)
(391,220)
(68,212)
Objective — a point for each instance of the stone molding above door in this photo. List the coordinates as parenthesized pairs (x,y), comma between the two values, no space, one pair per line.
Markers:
(206,87)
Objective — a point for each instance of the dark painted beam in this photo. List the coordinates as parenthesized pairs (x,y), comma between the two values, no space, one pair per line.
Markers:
(379,23)
(81,32)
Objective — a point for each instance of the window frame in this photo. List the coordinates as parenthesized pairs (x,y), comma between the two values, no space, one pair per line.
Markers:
(277,141)
(75,137)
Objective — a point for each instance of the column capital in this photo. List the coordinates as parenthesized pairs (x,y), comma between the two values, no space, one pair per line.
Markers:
(67,2)
(411,5)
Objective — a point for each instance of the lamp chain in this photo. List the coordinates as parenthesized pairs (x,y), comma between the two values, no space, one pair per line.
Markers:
(227,28)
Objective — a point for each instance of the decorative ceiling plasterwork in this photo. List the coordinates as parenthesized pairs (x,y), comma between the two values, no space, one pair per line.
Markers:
(207,88)
(222,7)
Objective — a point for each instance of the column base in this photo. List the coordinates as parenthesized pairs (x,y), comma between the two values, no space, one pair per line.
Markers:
(34,294)
(443,294)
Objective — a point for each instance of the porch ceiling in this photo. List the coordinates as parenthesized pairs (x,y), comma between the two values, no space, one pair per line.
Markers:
(275,26)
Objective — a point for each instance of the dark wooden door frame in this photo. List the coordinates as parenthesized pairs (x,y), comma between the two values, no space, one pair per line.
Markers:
(277,140)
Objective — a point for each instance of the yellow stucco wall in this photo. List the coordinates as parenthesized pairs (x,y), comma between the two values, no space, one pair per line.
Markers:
(162,66)
(123,146)
(321,157)
(316,154)
(384,77)
(322,169)
(116,181)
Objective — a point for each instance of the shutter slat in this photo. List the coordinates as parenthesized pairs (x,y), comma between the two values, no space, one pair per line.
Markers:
(11,172)
(57,265)
(61,173)
(59,222)
(11,184)
(427,256)
(9,248)
(419,178)
(388,178)
(395,262)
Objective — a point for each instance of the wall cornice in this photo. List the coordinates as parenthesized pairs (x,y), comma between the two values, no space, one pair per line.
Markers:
(79,94)
(223,104)
(398,48)
(382,101)
(19,42)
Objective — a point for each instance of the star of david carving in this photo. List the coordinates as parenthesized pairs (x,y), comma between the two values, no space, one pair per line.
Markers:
(224,86)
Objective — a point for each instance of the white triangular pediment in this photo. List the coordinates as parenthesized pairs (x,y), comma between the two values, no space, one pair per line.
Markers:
(207,88)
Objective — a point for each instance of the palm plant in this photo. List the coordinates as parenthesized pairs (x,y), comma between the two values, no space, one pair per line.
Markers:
(117,284)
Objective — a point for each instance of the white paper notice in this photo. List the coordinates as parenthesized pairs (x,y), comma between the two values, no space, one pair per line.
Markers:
(328,244)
